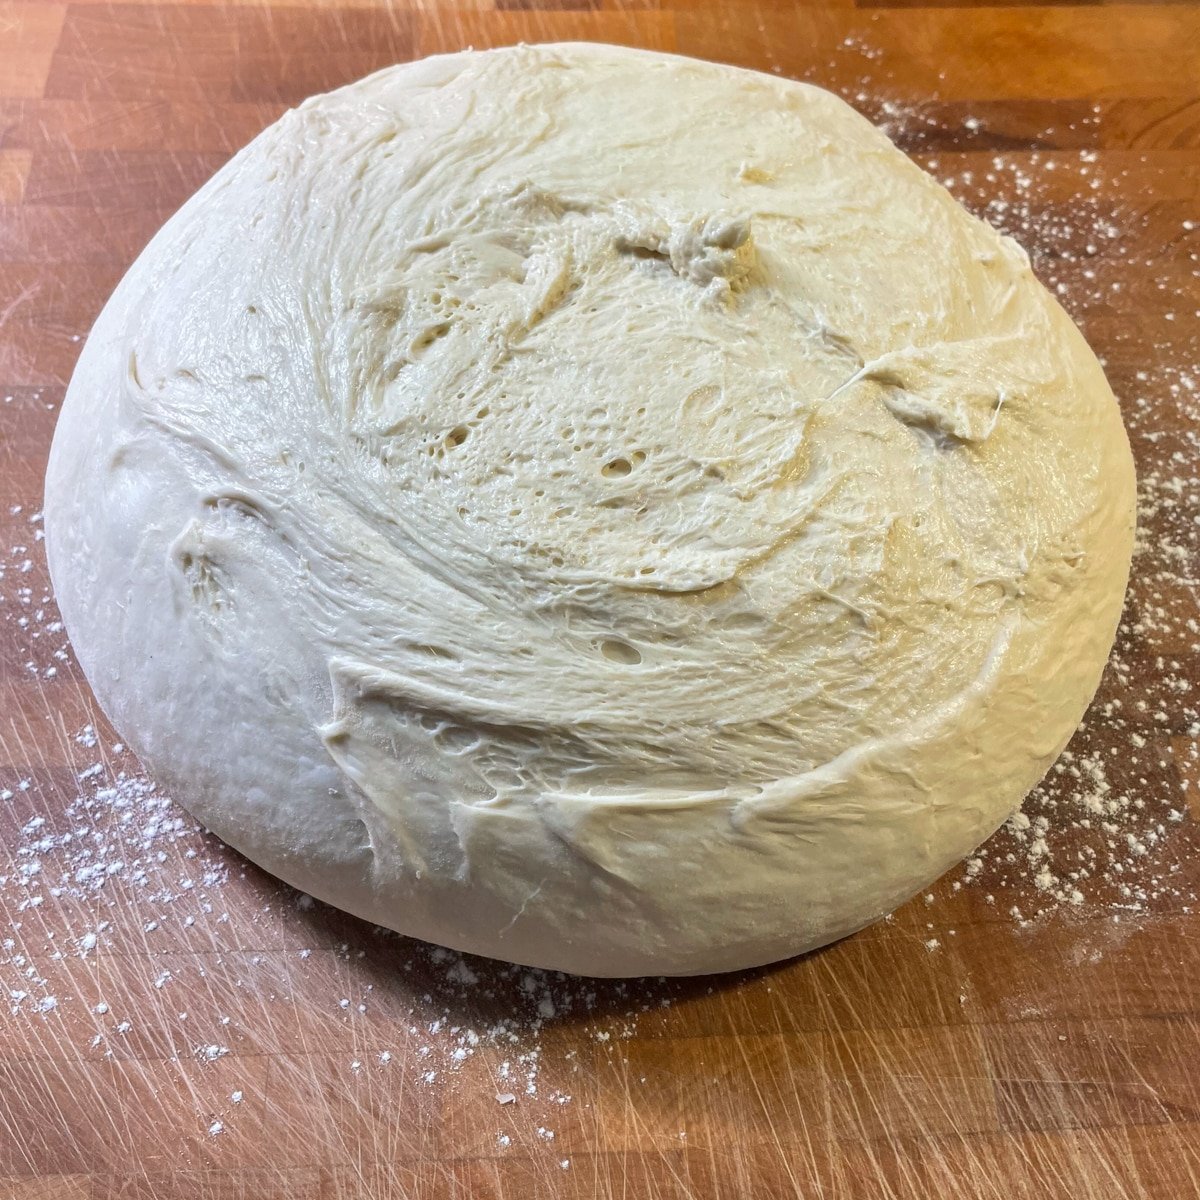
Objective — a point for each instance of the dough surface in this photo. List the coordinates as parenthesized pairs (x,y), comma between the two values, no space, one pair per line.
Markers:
(593,508)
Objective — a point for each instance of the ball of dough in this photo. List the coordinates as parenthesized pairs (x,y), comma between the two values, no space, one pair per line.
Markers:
(593,508)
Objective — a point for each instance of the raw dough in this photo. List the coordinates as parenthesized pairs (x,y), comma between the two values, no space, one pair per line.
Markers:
(594,508)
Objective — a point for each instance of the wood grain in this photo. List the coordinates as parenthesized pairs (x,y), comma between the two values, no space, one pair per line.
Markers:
(953,1051)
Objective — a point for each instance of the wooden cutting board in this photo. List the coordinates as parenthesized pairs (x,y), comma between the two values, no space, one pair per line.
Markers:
(174,1024)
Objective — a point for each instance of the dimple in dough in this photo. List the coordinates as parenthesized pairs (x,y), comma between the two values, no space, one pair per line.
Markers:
(594,508)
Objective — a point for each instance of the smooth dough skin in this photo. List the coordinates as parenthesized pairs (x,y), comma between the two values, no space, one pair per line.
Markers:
(593,508)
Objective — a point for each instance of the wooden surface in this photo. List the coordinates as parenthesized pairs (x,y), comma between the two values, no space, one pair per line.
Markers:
(175,1025)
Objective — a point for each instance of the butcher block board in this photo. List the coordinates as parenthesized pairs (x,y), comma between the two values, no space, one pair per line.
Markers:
(175,1025)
